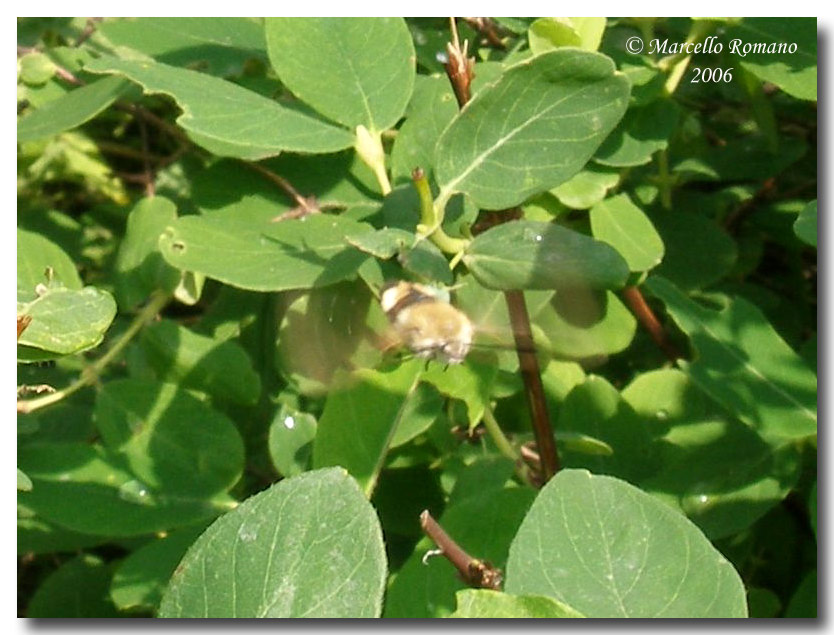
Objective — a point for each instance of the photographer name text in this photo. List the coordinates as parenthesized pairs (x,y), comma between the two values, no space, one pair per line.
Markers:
(712,45)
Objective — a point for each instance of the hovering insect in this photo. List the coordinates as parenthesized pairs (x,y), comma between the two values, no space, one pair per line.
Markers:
(425,321)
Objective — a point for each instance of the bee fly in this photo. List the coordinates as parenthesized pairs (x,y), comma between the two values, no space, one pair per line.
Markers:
(425,322)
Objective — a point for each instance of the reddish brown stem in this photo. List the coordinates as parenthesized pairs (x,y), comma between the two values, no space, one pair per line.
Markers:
(637,303)
(476,573)
(533,388)
(486,27)
(303,205)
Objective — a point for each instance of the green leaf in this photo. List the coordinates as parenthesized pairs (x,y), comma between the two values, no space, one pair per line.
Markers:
(364,71)
(485,603)
(697,251)
(745,365)
(358,439)
(586,188)
(546,34)
(86,489)
(171,440)
(65,321)
(35,68)
(226,119)
(141,578)
(470,382)
(713,468)
(581,323)
(428,590)
(531,130)
(595,408)
(24,483)
(36,254)
(140,267)
(620,223)
(643,131)
(608,549)
(293,254)
(220,368)
(535,255)
(223,44)
(309,546)
(78,588)
(794,72)
(71,110)
(803,603)
(420,411)
(428,262)
(382,243)
(291,435)
(806,224)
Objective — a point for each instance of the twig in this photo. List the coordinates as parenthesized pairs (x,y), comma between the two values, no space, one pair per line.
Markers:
(22,322)
(304,205)
(89,29)
(460,70)
(474,572)
(533,388)
(486,27)
(150,188)
(637,303)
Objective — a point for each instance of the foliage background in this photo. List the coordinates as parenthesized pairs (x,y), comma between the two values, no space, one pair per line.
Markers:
(197,344)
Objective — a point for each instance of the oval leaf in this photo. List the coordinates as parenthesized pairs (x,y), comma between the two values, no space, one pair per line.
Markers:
(535,255)
(227,119)
(608,549)
(484,603)
(309,546)
(531,130)
(364,71)
(620,223)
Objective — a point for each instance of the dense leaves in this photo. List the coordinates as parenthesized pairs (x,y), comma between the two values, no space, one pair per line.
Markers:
(219,414)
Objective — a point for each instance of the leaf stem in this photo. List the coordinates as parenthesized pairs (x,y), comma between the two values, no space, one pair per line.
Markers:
(637,303)
(431,219)
(679,62)
(664,179)
(91,373)
(498,437)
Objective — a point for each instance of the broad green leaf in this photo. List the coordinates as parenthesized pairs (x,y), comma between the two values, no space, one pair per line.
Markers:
(141,578)
(66,321)
(71,110)
(291,435)
(531,130)
(484,603)
(743,363)
(470,382)
(309,546)
(85,489)
(292,254)
(697,251)
(607,549)
(586,188)
(37,536)
(806,224)
(748,157)
(595,408)
(427,261)
(428,590)
(226,119)
(37,254)
(535,255)
(643,131)
(716,470)
(171,440)
(364,66)
(763,602)
(223,44)
(546,34)
(357,437)
(140,268)
(620,223)
(486,472)
(582,323)
(420,411)
(778,50)
(78,588)
(219,368)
